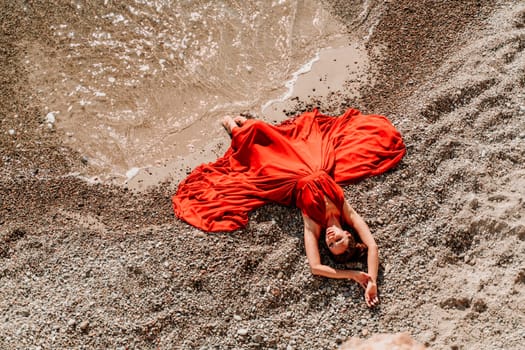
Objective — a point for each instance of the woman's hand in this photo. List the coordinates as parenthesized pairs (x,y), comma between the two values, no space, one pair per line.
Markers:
(334,230)
(362,278)
(371,297)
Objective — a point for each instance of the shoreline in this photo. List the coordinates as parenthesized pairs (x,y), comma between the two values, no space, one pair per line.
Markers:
(314,79)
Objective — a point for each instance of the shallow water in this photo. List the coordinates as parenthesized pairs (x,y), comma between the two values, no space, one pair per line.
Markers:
(143,85)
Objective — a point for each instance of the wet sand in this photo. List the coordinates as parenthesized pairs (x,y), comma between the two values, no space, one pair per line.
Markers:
(94,265)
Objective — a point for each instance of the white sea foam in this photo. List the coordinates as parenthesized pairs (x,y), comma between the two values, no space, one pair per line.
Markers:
(305,68)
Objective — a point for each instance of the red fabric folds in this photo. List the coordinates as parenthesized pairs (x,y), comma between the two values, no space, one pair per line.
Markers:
(294,163)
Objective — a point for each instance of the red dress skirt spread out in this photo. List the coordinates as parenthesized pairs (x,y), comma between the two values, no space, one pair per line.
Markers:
(292,164)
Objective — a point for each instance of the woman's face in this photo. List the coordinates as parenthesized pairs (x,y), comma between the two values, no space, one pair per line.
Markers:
(337,240)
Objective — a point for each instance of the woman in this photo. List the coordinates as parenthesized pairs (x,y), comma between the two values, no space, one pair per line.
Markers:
(298,162)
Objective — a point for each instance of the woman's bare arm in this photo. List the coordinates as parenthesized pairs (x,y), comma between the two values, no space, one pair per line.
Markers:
(356,221)
(312,232)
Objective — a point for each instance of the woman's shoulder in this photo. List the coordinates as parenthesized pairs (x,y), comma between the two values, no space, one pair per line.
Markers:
(311,226)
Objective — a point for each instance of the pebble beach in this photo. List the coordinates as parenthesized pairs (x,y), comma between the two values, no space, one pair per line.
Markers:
(88,264)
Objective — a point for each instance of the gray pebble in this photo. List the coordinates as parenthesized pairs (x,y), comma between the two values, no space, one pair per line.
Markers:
(242,331)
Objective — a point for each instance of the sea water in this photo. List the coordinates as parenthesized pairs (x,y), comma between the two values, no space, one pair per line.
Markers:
(142,84)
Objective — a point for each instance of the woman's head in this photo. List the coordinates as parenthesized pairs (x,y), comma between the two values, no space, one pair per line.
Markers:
(343,246)
(338,240)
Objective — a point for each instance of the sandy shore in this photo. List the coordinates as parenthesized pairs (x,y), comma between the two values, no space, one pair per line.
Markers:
(94,266)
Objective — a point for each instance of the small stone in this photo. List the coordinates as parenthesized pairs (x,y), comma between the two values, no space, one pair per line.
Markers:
(237,318)
(11,132)
(474,203)
(131,173)
(84,326)
(72,322)
(242,331)
(276,292)
(50,118)
(364,332)
(84,160)
(24,313)
(520,278)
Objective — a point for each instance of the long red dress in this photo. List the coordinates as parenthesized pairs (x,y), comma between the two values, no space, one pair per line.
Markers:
(295,163)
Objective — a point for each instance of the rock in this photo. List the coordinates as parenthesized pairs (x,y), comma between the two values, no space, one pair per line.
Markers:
(83,326)
(50,118)
(520,278)
(474,203)
(131,173)
(24,313)
(258,338)
(242,331)
(399,341)
(276,292)
(388,267)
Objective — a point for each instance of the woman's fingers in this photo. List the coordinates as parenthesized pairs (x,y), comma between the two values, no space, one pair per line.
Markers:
(371,296)
(371,303)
